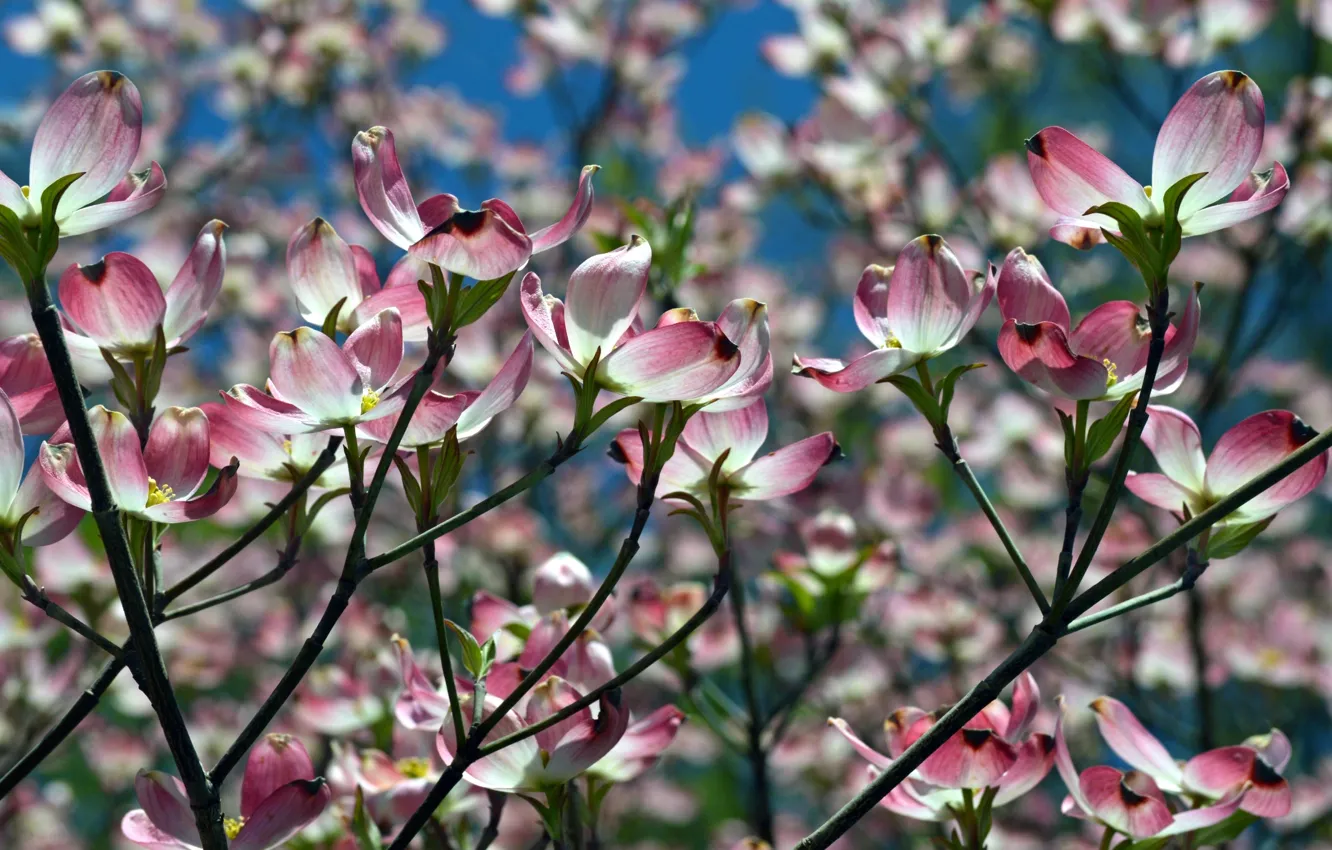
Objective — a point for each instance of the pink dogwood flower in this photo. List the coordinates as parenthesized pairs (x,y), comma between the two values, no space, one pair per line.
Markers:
(1189,484)
(481,244)
(25,377)
(642,745)
(1216,127)
(159,482)
(25,499)
(996,749)
(1131,803)
(280,796)
(92,129)
(554,755)
(316,385)
(325,271)
(680,359)
(1105,357)
(916,310)
(266,455)
(707,435)
(117,305)
(469,412)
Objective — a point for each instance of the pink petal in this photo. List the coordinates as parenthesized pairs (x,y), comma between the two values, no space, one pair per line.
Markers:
(312,373)
(871,304)
(1040,354)
(603,297)
(407,300)
(1216,127)
(490,614)
(166,805)
(502,391)
(479,244)
(117,302)
(11,453)
(787,470)
(1026,293)
(1072,177)
(906,801)
(1195,819)
(26,377)
(54,517)
(1177,446)
(118,444)
(1255,196)
(678,362)
(430,423)
(367,275)
(510,769)
(323,271)
(1026,705)
(198,507)
(275,761)
(1224,772)
(375,349)
(573,219)
(262,454)
(382,189)
(1083,232)
(1134,744)
(1157,489)
(1064,763)
(1115,331)
(260,411)
(138,192)
(745,322)
(859,373)
(641,746)
(1118,801)
(61,472)
(863,749)
(419,705)
(1273,747)
(93,128)
(686,470)
(197,284)
(561,581)
(742,431)
(1252,446)
(1035,757)
(929,296)
(136,827)
(586,742)
(903,727)
(1180,339)
(12,197)
(545,317)
(176,455)
(438,209)
(973,758)
(282,814)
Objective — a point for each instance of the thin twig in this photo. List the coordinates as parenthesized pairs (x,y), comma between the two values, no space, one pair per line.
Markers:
(37,597)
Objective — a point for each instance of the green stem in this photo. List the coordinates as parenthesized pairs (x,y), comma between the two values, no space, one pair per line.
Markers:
(923,370)
(442,637)
(355,466)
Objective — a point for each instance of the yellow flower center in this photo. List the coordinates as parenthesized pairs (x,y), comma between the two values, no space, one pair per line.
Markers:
(368,401)
(286,447)
(892,342)
(1111,373)
(413,768)
(1147,190)
(1270,659)
(157,493)
(232,827)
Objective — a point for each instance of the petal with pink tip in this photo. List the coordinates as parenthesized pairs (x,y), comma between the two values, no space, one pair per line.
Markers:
(139,192)
(741,431)
(430,422)
(1131,741)
(260,411)
(411,307)
(1064,764)
(92,129)
(573,219)
(491,613)
(929,296)
(322,270)
(906,801)
(586,742)
(118,444)
(1255,196)
(502,391)
(11,453)
(641,746)
(1083,232)
(438,209)
(603,297)
(867,369)
(1216,127)
(745,322)
(165,803)
(864,750)
(1272,747)
(1174,441)
(51,518)
(1119,801)
(787,470)
(1115,331)
(973,758)
(686,471)
(1040,354)
(196,286)
(1157,489)
(136,827)
(176,455)
(545,317)
(509,769)
(1072,177)
(198,507)
(381,188)
(1226,771)
(61,472)
(312,373)
(375,349)
(419,705)
(282,814)
(903,727)
(561,581)
(117,302)
(12,197)
(1026,705)
(275,761)
(479,244)
(871,304)
(1195,819)
(1026,294)
(678,362)
(1035,757)
(1251,447)
(367,274)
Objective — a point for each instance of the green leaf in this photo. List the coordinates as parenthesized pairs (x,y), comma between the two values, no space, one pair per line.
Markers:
(923,401)
(330,325)
(1102,433)
(121,382)
(804,600)
(1174,196)
(480,298)
(1227,830)
(156,366)
(14,245)
(472,657)
(364,830)
(949,384)
(1069,439)
(410,487)
(50,233)
(1229,540)
(11,567)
